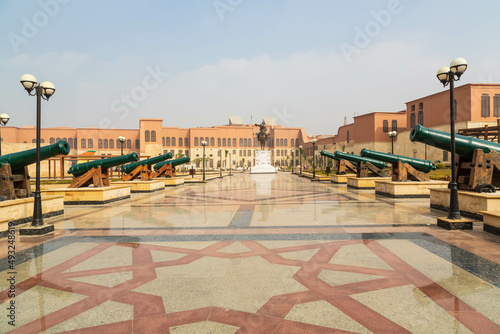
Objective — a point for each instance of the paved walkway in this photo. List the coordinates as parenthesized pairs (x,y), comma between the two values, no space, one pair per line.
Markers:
(254,254)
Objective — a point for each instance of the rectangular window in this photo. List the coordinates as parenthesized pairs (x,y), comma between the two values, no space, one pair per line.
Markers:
(348,136)
(421,117)
(445,155)
(420,106)
(394,125)
(412,107)
(412,120)
(496,105)
(386,125)
(485,105)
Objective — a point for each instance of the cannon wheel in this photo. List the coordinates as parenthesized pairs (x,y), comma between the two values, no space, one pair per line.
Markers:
(485,188)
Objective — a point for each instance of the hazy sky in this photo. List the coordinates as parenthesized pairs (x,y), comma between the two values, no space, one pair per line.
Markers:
(197,62)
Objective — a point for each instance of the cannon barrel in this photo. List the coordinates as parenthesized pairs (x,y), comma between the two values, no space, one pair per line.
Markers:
(80,169)
(358,159)
(332,156)
(174,162)
(421,165)
(151,161)
(28,157)
(464,145)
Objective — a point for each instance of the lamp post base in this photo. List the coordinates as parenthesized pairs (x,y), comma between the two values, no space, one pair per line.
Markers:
(37,230)
(454,224)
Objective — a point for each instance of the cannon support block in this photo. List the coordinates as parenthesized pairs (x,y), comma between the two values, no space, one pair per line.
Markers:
(404,172)
(94,176)
(367,169)
(14,185)
(165,170)
(144,171)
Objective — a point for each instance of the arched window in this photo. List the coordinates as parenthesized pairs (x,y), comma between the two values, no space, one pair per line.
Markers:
(163,141)
(286,142)
(83,143)
(229,142)
(137,143)
(153,136)
(167,141)
(186,141)
(70,142)
(207,140)
(173,141)
(212,141)
(277,142)
(292,142)
(91,143)
(224,142)
(180,141)
(241,142)
(57,139)
(234,142)
(195,141)
(42,140)
(105,143)
(112,143)
(219,142)
(52,140)
(245,142)
(99,143)
(147,135)
(281,142)
(129,143)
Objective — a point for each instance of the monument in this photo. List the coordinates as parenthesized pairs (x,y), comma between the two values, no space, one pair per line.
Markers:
(262,156)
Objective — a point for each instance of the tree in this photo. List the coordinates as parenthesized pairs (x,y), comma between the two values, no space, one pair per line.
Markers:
(179,155)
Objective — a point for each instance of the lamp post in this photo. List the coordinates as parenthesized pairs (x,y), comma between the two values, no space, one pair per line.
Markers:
(300,153)
(44,90)
(314,160)
(4,118)
(448,75)
(392,134)
(204,143)
(220,167)
(121,139)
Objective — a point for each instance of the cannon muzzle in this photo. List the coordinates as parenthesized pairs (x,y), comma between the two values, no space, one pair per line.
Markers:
(421,165)
(151,161)
(80,169)
(464,146)
(174,162)
(358,159)
(28,157)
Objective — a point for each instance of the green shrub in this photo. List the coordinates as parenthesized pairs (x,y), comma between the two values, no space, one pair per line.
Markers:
(440,165)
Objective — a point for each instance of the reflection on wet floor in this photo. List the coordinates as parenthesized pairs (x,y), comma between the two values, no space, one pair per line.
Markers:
(260,254)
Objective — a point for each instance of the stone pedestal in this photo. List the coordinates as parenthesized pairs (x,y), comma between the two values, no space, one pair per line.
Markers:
(263,163)
(470,203)
(91,196)
(341,178)
(491,222)
(364,182)
(408,189)
(142,186)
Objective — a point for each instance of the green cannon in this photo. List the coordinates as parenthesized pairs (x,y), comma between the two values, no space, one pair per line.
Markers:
(343,165)
(28,157)
(80,169)
(167,168)
(358,159)
(478,167)
(151,161)
(464,146)
(97,172)
(421,165)
(14,176)
(366,167)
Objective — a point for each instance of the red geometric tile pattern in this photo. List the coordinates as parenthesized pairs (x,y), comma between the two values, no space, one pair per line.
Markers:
(150,316)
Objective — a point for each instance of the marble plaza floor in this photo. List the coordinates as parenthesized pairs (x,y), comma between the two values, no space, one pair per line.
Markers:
(254,254)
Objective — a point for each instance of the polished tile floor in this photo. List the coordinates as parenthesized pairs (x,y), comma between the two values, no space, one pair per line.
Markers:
(254,254)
